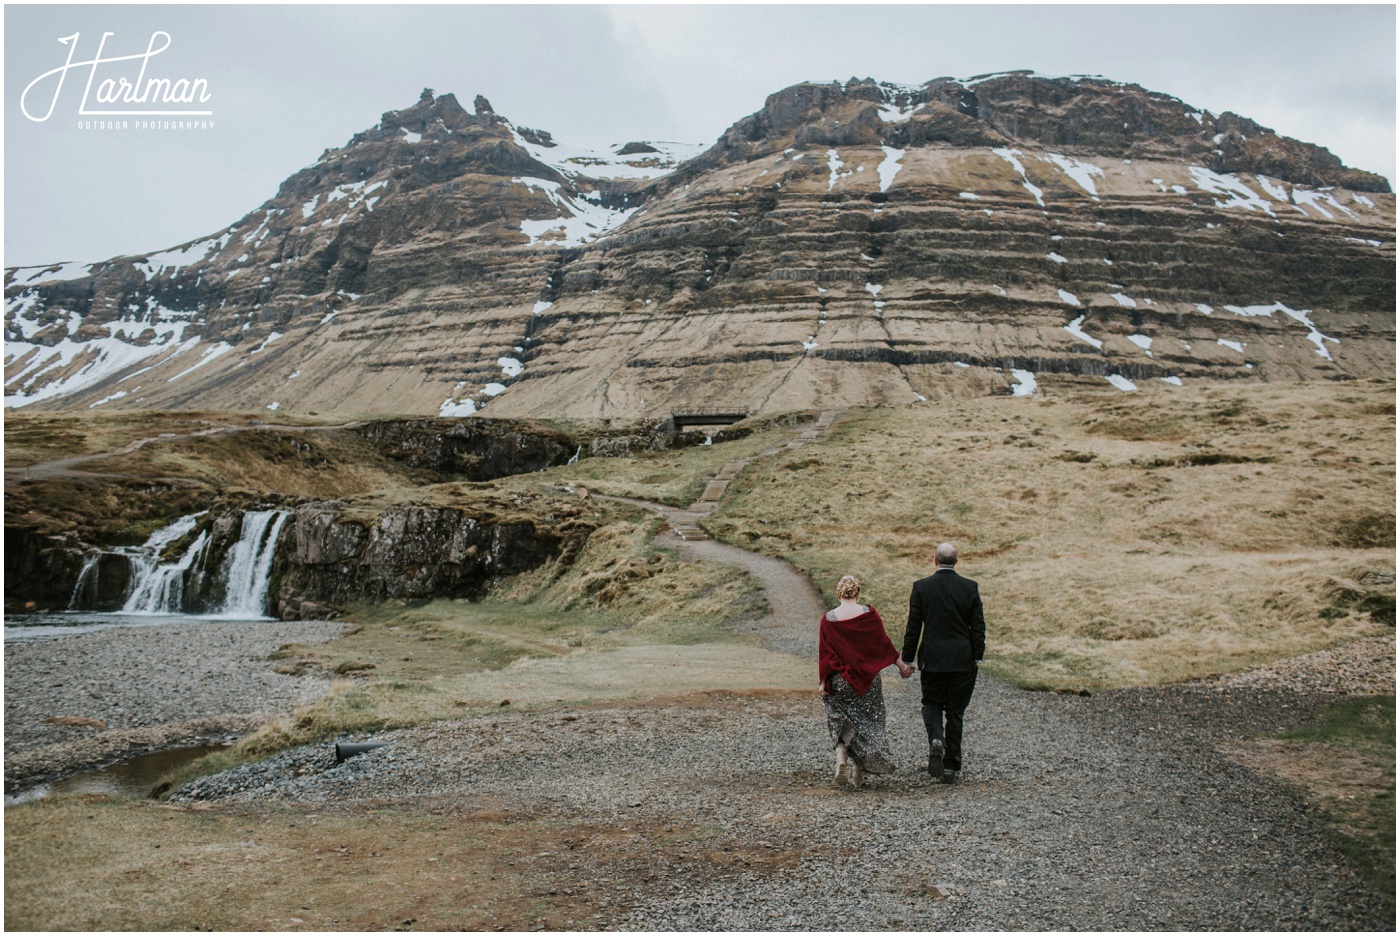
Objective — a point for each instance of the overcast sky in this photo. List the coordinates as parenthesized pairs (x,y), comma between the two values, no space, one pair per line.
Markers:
(286,82)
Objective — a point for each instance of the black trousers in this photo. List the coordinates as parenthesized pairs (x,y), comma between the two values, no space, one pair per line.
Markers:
(945,696)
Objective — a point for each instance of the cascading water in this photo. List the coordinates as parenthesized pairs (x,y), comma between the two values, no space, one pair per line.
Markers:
(86,578)
(160,589)
(157,588)
(249,564)
(574,460)
(185,586)
(113,576)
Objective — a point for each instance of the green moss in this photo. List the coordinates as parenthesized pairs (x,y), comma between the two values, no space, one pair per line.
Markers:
(1365,724)
(1361,826)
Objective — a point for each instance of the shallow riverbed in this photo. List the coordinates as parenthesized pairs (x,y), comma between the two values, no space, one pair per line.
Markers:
(99,690)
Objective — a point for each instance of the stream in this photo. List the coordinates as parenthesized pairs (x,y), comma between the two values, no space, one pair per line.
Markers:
(132,778)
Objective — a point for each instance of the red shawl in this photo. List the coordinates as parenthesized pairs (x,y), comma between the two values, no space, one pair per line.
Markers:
(857,648)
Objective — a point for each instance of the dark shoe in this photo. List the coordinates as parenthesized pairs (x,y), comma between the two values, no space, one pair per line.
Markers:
(935,759)
(951,776)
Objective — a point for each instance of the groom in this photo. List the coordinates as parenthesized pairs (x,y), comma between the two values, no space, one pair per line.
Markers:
(946,610)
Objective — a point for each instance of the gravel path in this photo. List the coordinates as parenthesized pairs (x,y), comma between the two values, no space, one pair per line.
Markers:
(1110,812)
(791,627)
(145,687)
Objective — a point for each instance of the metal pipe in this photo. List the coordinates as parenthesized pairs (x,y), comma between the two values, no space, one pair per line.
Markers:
(344,752)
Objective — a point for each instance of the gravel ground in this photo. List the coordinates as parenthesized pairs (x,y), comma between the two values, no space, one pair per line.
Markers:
(148,687)
(1362,667)
(1108,812)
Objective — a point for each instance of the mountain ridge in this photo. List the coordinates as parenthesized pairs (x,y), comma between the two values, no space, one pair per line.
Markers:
(444,260)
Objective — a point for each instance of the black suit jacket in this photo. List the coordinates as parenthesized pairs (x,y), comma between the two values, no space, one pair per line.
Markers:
(945,609)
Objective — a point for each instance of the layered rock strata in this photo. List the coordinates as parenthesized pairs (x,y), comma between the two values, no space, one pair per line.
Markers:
(849,244)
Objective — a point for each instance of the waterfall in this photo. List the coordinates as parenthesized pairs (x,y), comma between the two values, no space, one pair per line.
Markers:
(89,572)
(169,534)
(160,589)
(177,587)
(574,460)
(249,564)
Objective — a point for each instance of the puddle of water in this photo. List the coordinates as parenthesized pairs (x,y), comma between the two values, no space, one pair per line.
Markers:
(130,779)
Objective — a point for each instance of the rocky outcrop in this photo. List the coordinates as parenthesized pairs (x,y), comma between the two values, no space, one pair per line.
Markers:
(95,566)
(326,556)
(470,449)
(661,437)
(40,570)
(849,244)
(1084,116)
(412,552)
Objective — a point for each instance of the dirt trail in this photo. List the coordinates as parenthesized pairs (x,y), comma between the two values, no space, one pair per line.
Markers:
(795,605)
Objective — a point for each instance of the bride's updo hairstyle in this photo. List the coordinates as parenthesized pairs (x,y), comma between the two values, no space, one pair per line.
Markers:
(848,587)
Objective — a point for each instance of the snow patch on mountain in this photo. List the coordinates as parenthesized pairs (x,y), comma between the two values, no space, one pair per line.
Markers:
(580,222)
(889,168)
(1122,383)
(1237,194)
(451,407)
(54,272)
(41,370)
(1075,328)
(178,257)
(1081,172)
(1025,382)
(833,165)
(1317,202)
(1010,156)
(210,354)
(1301,316)
(574,162)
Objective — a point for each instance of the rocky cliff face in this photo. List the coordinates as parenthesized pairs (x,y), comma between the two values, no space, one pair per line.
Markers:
(848,244)
(329,560)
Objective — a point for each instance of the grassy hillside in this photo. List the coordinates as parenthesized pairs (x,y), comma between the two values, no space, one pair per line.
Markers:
(1118,539)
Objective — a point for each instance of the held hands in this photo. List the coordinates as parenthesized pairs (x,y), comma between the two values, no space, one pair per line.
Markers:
(905,670)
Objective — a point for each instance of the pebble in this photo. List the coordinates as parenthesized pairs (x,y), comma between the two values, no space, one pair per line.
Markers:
(152,685)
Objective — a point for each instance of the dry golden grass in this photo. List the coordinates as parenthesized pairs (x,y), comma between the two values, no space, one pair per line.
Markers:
(1126,539)
(1118,539)
(92,863)
(32,437)
(674,477)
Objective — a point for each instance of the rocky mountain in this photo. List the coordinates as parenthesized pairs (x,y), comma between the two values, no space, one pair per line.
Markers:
(849,244)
